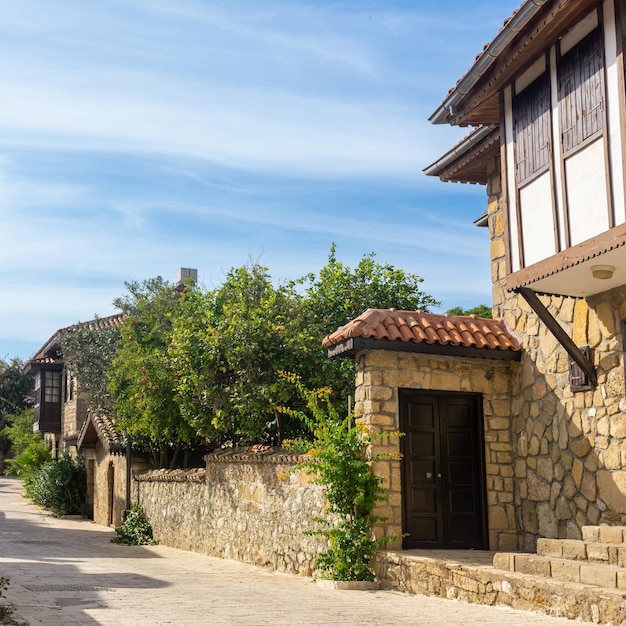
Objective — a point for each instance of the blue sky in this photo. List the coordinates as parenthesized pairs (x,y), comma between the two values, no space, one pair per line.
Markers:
(140,136)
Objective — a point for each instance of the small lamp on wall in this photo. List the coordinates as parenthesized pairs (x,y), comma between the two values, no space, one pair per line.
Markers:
(602,272)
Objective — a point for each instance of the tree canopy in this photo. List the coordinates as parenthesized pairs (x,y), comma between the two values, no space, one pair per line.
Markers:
(141,378)
(89,349)
(15,387)
(194,366)
(482,310)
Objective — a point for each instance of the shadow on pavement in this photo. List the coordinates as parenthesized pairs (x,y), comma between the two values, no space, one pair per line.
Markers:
(42,556)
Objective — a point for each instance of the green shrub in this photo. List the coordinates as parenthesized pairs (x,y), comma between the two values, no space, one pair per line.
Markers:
(59,485)
(338,460)
(31,459)
(136,529)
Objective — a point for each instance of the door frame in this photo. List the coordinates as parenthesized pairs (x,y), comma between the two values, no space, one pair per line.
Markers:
(479,459)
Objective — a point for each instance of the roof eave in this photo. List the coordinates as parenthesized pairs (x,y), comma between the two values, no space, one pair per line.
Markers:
(459,163)
(447,110)
(350,347)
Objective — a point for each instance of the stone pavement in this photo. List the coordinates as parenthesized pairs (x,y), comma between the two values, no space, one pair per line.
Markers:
(66,571)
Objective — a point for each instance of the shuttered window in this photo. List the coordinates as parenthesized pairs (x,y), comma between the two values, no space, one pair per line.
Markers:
(531,128)
(581,92)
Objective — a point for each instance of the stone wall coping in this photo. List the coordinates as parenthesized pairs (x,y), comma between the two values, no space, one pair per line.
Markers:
(197,475)
(255,454)
(249,454)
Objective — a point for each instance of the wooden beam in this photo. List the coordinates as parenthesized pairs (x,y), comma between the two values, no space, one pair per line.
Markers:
(561,336)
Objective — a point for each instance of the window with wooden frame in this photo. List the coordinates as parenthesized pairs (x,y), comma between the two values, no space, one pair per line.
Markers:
(578,380)
(531,129)
(52,387)
(38,388)
(581,92)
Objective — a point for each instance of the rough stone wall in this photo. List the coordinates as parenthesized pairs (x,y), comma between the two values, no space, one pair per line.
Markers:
(240,507)
(109,494)
(570,447)
(380,374)
(74,413)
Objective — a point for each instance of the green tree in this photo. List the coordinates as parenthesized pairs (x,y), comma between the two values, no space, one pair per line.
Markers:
(19,431)
(141,378)
(337,295)
(228,348)
(88,350)
(482,310)
(15,387)
(15,390)
(196,366)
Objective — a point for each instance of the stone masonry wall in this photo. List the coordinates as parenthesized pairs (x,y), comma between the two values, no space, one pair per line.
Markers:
(246,507)
(380,374)
(570,447)
(109,476)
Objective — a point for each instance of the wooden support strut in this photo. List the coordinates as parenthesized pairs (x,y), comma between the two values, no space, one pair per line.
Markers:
(561,336)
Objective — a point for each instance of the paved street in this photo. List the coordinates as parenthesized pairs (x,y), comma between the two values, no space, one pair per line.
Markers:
(66,572)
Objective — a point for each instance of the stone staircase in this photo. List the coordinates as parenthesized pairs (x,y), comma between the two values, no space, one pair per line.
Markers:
(598,559)
(578,579)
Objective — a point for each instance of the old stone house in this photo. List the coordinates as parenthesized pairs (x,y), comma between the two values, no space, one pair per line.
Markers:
(547,102)
(61,413)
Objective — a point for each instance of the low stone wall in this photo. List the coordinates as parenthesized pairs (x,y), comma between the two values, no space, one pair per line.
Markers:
(479,584)
(248,505)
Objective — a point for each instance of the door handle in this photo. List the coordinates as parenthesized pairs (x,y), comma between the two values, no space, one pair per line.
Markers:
(429,475)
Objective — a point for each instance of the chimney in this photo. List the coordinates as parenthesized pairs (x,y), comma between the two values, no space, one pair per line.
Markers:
(184,276)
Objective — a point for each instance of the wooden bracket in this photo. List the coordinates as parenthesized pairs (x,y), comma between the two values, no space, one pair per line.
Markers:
(561,336)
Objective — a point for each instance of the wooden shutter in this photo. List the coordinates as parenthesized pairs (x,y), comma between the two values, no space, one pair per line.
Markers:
(531,128)
(581,92)
(578,380)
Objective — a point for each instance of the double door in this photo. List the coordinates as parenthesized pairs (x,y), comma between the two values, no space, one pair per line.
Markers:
(443,484)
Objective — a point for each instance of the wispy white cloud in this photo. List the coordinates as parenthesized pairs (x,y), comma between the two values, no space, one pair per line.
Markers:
(259,131)
(139,136)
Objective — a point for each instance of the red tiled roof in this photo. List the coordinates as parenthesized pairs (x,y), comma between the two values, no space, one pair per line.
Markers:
(103,428)
(430,328)
(44,360)
(42,356)
(96,324)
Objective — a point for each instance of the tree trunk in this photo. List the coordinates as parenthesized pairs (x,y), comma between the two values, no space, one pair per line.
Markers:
(279,428)
(174,457)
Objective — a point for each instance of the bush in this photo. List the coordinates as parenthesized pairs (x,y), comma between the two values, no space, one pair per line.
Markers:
(28,461)
(59,485)
(338,459)
(136,529)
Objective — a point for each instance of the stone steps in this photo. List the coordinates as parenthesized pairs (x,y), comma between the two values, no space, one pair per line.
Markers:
(471,577)
(599,559)
(566,570)
(577,550)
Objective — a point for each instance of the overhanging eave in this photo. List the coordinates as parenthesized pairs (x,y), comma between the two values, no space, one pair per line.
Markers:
(350,347)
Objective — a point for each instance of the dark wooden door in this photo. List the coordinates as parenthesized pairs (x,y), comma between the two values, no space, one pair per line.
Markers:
(443,488)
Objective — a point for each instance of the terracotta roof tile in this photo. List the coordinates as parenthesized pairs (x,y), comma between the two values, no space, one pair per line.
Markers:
(431,328)
(45,360)
(43,355)
(104,429)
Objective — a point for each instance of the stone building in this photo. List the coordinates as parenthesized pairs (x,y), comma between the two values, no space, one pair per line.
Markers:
(61,413)
(546,100)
